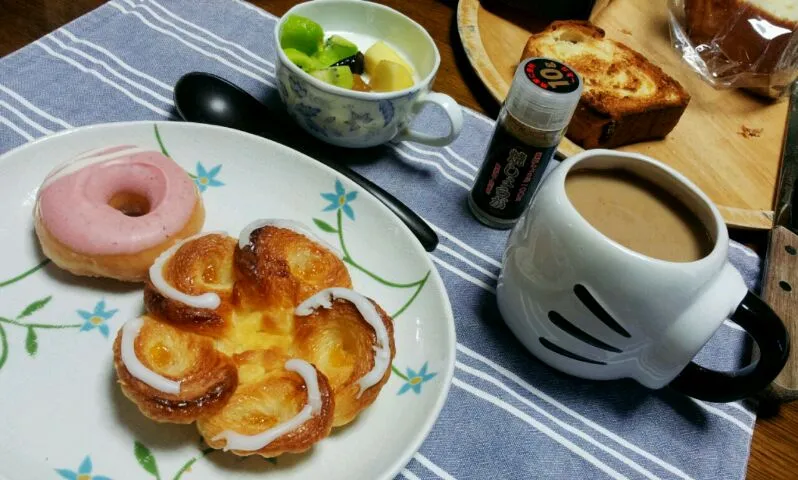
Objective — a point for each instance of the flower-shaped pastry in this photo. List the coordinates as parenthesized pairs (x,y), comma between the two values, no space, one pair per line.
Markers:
(261,341)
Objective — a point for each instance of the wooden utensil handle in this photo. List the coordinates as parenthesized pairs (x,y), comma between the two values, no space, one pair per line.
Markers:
(780,291)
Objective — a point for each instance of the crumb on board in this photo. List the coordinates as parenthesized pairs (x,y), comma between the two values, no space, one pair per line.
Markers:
(748,132)
(626,31)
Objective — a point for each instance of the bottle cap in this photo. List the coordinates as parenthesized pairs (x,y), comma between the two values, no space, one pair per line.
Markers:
(544,93)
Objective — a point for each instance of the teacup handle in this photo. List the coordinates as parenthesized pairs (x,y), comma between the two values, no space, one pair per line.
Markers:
(453,111)
(769,333)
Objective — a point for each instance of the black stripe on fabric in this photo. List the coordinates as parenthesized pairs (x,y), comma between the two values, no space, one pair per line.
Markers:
(596,309)
(578,333)
(558,349)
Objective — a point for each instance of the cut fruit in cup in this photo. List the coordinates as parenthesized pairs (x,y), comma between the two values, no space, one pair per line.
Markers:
(338,61)
(389,76)
(379,52)
(303,61)
(302,34)
(359,85)
(336,48)
(338,76)
(355,63)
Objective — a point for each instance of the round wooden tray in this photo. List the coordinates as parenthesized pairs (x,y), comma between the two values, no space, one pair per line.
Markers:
(739,173)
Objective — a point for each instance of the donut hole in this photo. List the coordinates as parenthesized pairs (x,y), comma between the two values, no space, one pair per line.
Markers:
(130,204)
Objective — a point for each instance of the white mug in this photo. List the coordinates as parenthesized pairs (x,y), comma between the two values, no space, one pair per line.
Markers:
(593,308)
(349,118)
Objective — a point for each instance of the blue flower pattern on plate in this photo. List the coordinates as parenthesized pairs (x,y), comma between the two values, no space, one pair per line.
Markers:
(97,318)
(416,379)
(207,178)
(83,472)
(340,200)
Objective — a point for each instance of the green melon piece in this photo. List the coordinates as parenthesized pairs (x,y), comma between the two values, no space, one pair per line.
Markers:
(302,34)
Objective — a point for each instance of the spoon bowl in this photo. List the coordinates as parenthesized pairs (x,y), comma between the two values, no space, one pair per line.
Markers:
(207,98)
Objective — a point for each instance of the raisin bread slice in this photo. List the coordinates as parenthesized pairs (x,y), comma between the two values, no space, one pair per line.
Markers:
(626,99)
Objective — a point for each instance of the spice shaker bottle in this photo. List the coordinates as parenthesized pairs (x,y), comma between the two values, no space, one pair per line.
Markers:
(532,121)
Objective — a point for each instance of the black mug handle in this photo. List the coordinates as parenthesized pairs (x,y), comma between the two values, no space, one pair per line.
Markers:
(769,333)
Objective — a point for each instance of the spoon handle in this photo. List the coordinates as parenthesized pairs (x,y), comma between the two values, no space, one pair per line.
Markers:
(417,225)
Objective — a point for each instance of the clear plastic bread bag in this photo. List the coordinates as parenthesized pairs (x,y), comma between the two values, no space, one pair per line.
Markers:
(750,44)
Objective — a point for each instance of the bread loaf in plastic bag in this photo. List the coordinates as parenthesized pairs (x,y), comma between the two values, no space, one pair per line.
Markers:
(750,44)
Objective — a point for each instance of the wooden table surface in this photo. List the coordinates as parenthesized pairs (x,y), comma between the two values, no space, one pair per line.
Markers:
(774,450)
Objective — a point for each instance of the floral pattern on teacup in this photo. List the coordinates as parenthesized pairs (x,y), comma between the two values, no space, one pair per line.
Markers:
(339,118)
(387,111)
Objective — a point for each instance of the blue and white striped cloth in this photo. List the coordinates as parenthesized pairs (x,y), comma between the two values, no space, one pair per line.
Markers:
(507,416)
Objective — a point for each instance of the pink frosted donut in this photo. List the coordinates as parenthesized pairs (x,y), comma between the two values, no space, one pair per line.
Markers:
(110,213)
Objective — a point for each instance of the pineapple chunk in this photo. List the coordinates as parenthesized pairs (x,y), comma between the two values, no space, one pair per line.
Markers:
(390,76)
(381,51)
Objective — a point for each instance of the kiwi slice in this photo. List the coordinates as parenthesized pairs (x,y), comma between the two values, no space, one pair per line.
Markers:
(336,48)
(306,63)
(338,76)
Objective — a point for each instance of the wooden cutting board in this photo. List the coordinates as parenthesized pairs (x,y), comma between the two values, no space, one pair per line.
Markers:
(738,172)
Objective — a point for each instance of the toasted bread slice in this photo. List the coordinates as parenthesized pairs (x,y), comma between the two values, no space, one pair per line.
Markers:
(626,98)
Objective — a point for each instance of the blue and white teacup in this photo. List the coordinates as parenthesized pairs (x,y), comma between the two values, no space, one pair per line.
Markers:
(357,119)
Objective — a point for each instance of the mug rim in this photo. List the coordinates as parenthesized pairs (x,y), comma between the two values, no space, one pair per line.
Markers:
(326,87)
(720,233)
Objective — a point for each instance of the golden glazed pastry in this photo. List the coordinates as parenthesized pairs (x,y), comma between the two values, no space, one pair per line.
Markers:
(261,341)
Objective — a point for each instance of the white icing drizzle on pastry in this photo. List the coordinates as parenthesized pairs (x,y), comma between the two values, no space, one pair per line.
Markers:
(208,300)
(243,239)
(250,443)
(382,352)
(130,331)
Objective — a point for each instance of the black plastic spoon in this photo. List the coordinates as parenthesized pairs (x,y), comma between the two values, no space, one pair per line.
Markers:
(206,98)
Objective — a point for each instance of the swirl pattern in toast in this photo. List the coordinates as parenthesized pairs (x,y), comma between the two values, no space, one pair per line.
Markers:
(626,98)
(260,341)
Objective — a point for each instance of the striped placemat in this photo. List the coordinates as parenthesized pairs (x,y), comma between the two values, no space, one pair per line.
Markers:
(507,416)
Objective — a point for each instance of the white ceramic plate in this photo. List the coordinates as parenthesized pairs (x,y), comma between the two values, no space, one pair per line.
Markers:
(61,412)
